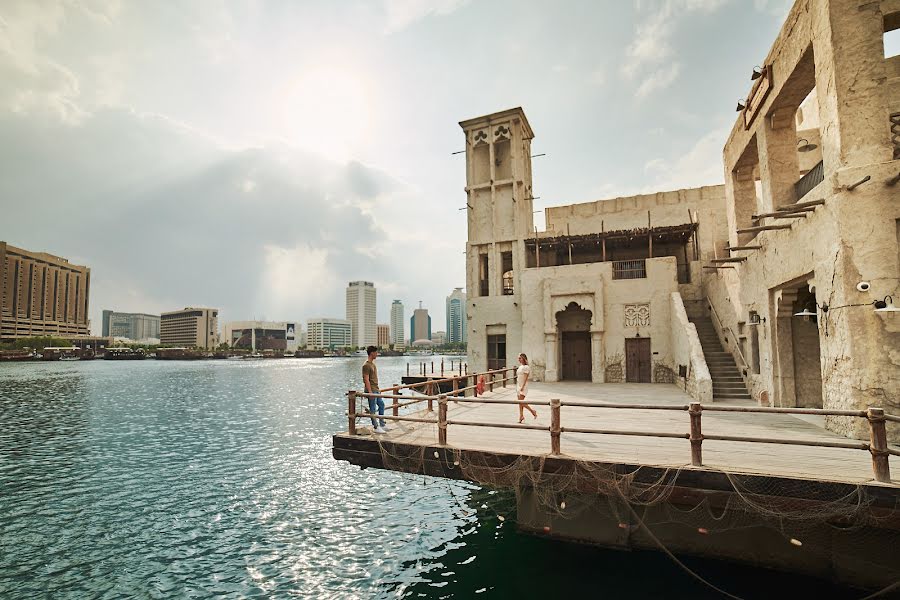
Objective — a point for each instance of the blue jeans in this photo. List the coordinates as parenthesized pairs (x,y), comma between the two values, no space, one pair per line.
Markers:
(380,403)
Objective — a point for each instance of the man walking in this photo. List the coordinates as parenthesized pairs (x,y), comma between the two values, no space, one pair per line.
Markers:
(370,382)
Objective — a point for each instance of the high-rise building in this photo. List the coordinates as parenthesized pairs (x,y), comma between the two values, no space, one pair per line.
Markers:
(419,325)
(456,317)
(41,294)
(190,327)
(134,326)
(384,335)
(328,334)
(262,335)
(361,313)
(397,325)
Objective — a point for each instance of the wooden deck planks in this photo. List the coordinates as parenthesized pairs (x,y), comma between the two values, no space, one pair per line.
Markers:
(827,464)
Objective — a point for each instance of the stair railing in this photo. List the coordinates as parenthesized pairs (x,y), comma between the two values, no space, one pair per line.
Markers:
(722,329)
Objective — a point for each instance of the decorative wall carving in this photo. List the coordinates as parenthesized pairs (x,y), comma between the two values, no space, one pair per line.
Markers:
(637,315)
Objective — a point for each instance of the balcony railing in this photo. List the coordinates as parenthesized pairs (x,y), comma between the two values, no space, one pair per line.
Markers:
(629,269)
(815,176)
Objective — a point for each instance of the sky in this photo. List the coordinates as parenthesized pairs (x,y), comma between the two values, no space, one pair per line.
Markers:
(256,156)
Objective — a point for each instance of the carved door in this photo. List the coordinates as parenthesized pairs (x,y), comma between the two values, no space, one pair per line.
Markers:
(576,355)
(637,360)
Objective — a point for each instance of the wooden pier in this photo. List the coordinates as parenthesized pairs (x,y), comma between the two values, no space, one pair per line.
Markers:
(643,436)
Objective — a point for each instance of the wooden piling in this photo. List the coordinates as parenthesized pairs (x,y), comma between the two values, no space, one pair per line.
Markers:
(351,413)
(696,410)
(554,426)
(878,445)
(442,420)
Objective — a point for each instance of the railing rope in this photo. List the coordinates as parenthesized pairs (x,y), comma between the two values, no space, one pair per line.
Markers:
(555,427)
(696,411)
(878,445)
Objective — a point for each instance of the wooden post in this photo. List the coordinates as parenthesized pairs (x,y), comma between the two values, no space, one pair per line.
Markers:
(396,403)
(351,413)
(695,411)
(442,420)
(878,445)
(604,240)
(554,426)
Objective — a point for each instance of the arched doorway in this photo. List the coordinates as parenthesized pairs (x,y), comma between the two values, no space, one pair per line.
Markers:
(574,326)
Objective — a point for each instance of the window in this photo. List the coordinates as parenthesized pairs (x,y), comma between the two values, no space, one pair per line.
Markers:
(483,286)
(506,268)
(496,351)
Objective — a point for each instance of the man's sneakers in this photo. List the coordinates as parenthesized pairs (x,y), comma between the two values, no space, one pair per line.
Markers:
(380,430)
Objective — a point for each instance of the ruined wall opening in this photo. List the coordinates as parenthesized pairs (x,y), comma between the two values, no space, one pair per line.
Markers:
(574,326)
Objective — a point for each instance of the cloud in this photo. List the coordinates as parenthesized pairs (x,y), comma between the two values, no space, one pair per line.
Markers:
(652,42)
(400,14)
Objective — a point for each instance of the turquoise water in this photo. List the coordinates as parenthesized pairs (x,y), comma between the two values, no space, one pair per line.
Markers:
(160,479)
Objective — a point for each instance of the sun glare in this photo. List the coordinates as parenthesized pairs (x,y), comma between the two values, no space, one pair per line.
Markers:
(327,110)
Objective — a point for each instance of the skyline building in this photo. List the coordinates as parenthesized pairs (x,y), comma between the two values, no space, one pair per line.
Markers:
(419,325)
(133,326)
(328,334)
(456,317)
(361,304)
(384,335)
(42,294)
(262,335)
(397,323)
(190,327)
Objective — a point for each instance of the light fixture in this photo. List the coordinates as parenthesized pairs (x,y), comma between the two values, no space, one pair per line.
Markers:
(757,73)
(886,305)
(805,147)
(741,105)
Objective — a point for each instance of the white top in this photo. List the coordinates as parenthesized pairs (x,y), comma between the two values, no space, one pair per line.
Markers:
(521,385)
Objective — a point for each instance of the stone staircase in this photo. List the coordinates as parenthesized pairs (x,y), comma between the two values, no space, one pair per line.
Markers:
(726,379)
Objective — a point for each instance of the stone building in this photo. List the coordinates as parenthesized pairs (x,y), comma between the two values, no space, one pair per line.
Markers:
(700,287)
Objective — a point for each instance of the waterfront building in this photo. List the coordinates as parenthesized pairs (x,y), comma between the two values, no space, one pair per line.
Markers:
(397,324)
(439,338)
(262,335)
(190,327)
(328,334)
(456,317)
(724,290)
(132,326)
(42,295)
(384,335)
(419,325)
(361,302)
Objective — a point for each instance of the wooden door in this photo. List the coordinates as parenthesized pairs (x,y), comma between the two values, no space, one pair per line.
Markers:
(637,360)
(576,355)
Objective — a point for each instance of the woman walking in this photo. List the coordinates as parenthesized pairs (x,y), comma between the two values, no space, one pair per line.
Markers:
(522,374)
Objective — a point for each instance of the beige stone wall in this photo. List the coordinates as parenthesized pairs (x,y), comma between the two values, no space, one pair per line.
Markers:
(834,46)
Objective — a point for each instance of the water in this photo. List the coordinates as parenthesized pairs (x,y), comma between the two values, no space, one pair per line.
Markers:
(161,479)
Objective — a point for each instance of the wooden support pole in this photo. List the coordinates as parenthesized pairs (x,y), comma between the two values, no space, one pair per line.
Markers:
(442,420)
(554,426)
(878,445)
(800,205)
(696,410)
(395,405)
(762,228)
(351,413)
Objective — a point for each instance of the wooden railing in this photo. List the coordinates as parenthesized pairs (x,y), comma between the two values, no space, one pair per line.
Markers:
(876,417)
